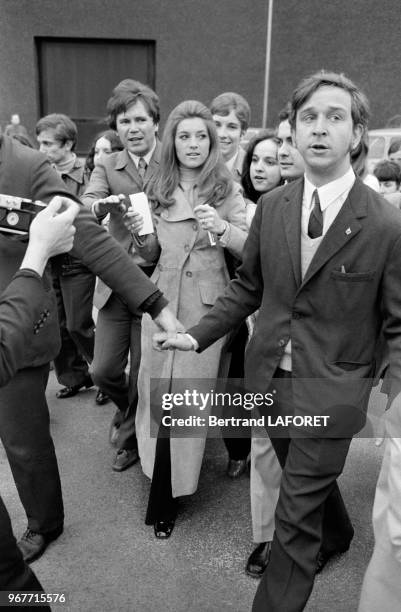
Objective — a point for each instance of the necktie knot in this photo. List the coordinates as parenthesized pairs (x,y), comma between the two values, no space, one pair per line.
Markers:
(315,226)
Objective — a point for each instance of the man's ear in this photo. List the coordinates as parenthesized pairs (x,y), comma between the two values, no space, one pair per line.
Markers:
(357,131)
(294,138)
(156,128)
(68,145)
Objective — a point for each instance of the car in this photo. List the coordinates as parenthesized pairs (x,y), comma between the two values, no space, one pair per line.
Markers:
(379,142)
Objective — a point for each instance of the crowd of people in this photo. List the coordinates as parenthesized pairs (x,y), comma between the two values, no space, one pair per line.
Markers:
(253,249)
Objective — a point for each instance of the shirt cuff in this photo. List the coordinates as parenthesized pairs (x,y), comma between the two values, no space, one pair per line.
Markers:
(224,238)
(193,341)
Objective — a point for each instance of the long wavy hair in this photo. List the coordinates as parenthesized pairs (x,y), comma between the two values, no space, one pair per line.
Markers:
(214,180)
(249,190)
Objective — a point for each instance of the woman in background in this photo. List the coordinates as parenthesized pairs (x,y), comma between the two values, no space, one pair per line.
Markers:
(104,143)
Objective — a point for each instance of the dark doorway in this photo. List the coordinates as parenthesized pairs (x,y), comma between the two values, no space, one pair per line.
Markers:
(76,77)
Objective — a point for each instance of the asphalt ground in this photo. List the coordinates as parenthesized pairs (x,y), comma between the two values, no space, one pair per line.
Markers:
(107,559)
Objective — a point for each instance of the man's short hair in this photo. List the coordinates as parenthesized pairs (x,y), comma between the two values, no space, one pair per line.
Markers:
(307,87)
(127,93)
(284,114)
(64,128)
(387,170)
(395,146)
(228,101)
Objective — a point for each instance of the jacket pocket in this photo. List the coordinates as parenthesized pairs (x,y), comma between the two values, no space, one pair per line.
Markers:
(209,292)
(352,277)
(350,366)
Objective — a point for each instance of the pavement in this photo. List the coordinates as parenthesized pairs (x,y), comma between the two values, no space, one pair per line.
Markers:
(107,559)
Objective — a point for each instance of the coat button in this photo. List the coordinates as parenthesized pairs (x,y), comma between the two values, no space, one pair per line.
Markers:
(195,227)
(282,342)
(188,274)
(296,315)
(160,266)
(187,248)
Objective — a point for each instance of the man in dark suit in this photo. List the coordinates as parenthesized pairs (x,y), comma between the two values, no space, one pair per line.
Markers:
(133,111)
(25,432)
(22,310)
(322,264)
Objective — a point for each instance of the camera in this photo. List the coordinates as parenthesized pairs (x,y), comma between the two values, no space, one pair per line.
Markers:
(17,214)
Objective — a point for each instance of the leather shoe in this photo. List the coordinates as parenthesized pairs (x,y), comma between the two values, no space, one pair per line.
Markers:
(163,529)
(32,544)
(101,398)
(71,391)
(258,560)
(236,468)
(324,556)
(124,459)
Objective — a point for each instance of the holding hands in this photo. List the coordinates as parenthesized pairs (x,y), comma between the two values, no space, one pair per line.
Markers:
(163,341)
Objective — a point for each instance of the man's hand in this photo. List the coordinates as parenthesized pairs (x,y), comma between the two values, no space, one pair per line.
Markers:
(50,233)
(163,342)
(105,205)
(168,322)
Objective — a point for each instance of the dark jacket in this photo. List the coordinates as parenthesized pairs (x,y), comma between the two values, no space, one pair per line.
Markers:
(333,316)
(27,173)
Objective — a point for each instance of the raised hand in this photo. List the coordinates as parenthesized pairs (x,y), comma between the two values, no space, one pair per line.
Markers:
(112,202)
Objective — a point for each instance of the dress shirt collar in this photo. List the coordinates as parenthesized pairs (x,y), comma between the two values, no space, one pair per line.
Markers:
(147,157)
(330,192)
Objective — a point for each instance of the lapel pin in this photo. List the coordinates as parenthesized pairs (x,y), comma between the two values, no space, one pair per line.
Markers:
(348,231)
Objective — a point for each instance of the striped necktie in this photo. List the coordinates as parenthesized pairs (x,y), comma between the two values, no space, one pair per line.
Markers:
(142,165)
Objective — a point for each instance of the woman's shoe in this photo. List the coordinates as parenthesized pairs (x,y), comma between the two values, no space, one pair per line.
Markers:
(163,529)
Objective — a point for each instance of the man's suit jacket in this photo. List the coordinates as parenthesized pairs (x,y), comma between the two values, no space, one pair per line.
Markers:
(117,173)
(22,315)
(27,173)
(333,315)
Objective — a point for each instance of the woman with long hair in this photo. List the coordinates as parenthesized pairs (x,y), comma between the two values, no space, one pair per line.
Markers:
(199,212)
(104,143)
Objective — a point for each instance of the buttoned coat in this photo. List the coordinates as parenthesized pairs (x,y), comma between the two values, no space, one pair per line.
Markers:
(192,274)
(333,316)
(115,174)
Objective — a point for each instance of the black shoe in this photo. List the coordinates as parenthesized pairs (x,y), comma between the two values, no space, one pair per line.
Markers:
(324,556)
(163,529)
(101,398)
(235,468)
(258,560)
(71,391)
(124,459)
(32,544)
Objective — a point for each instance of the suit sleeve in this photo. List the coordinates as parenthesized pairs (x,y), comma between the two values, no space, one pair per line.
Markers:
(21,305)
(99,251)
(241,297)
(98,186)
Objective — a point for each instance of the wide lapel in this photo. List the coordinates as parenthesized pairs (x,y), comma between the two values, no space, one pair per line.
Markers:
(344,229)
(124,163)
(181,210)
(292,208)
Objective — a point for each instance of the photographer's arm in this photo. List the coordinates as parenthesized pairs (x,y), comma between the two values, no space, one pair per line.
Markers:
(22,303)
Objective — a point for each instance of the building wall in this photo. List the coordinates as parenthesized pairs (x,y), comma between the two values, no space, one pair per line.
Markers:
(204,47)
(358,37)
